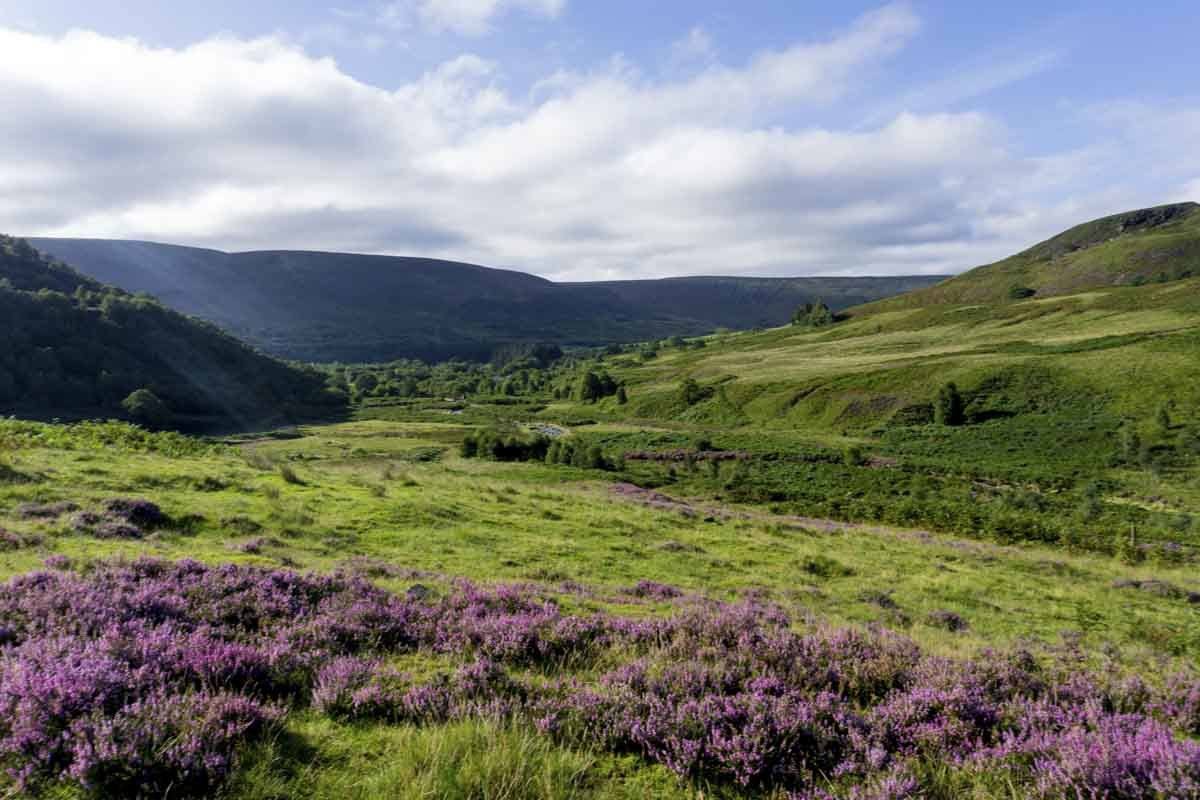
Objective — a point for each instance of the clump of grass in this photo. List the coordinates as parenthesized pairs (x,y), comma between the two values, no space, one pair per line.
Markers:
(210,484)
(947,620)
(825,567)
(240,524)
(45,510)
(474,759)
(883,600)
(10,474)
(680,547)
(290,476)
(258,460)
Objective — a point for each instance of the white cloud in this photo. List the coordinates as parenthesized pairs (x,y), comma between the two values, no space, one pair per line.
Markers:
(464,17)
(256,144)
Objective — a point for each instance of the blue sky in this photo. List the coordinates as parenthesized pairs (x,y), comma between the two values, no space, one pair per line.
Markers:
(581,139)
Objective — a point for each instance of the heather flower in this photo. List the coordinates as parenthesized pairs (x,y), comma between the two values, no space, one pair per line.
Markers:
(651,590)
(136,512)
(145,675)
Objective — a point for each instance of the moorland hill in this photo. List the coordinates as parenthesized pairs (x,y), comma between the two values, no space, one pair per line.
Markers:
(326,307)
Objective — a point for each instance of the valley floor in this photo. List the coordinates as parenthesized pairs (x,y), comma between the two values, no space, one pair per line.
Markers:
(395,502)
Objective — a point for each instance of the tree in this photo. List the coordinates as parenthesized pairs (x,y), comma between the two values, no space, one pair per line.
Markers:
(366,383)
(813,315)
(949,408)
(622,396)
(147,409)
(589,389)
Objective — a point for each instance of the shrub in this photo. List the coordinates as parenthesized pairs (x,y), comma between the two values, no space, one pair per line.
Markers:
(854,456)
(289,475)
(145,408)
(949,408)
(947,620)
(690,392)
(507,445)
(813,315)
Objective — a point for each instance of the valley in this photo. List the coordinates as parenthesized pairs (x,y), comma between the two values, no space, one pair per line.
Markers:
(907,549)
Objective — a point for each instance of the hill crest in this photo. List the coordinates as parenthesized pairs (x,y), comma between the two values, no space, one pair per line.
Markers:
(1161,243)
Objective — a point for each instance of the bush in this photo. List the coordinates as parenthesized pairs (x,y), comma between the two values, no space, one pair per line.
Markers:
(854,456)
(1018,292)
(501,445)
(813,315)
(691,392)
(145,408)
(949,407)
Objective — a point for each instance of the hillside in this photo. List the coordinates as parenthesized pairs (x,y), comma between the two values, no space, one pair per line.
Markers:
(1148,245)
(357,308)
(1125,349)
(1098,388)
(74,347)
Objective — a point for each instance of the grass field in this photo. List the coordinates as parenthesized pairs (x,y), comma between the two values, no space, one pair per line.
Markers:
(394,500)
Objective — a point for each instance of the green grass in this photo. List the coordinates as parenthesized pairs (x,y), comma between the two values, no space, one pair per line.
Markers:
(359,498)
(1153,245)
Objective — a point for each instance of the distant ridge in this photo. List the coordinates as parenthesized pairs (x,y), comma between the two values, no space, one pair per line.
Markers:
(1150,244)
(316,306)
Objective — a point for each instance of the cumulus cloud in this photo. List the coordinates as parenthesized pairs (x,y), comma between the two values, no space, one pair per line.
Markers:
(464,17)
(256,144)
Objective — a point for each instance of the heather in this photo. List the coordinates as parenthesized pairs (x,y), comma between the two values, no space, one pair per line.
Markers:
(132,678)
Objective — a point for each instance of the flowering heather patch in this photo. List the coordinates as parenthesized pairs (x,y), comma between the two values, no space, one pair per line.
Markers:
(136,677)
(44,510)
(141,513)
(121,519)
(653,591)
(16,541)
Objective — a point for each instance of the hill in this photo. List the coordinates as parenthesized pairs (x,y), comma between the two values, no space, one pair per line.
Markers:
(75,347)
(1124,350)
(1080,413)
(1148,245)
(360,308)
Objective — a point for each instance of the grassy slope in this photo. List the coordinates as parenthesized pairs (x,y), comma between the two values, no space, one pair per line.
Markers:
(1145,245)
(369,490)
(1126,349)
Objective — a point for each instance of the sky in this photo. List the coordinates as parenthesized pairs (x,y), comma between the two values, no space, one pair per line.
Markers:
(598,139)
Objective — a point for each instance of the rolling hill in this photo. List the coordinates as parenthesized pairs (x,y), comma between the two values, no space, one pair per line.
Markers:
(357,308)
(77,348)
(1110,335)
(1135,247)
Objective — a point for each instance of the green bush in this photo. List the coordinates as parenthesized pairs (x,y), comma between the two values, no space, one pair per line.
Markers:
(949,408)
(145,408)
